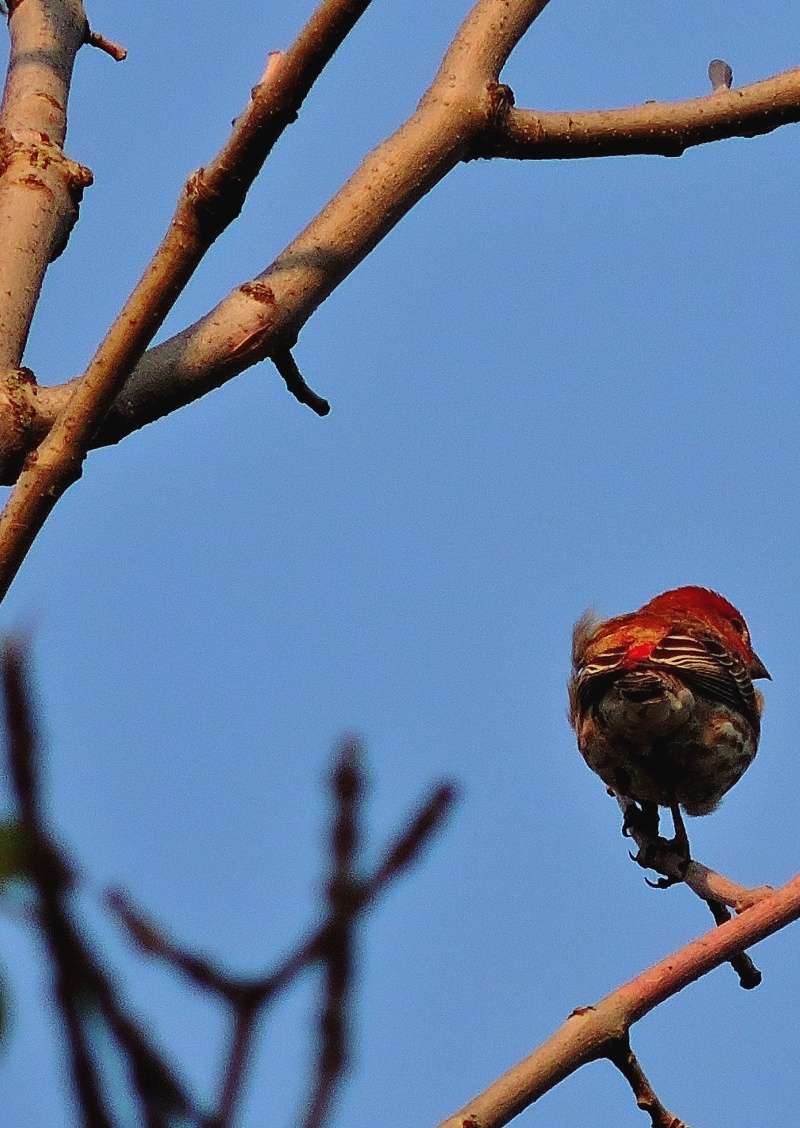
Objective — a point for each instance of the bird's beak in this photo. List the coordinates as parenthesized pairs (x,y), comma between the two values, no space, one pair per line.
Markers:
(758,669)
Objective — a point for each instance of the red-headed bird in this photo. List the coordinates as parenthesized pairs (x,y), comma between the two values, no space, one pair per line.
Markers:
(662,701)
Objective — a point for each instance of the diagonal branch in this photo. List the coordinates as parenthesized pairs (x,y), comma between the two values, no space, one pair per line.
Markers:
(461,103)
(477,114)
(212,198)
(590,1031)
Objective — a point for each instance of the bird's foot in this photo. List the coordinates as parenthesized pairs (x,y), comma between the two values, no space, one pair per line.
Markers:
(669,856)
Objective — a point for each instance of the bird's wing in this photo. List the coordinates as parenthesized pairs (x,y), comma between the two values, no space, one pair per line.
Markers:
(698,657)
(710,667)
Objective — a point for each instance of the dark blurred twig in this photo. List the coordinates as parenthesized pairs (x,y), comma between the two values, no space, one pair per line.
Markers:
(85,992)
(329,945)
(83,989)
(347,786)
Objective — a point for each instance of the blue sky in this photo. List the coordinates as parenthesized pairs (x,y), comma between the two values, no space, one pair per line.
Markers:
(553,385)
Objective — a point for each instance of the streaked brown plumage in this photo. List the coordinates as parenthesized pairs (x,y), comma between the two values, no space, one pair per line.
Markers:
(662,699)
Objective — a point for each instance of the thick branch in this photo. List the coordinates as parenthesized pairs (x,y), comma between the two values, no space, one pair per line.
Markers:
(590,1031)
(393,178)
(39,188)
(270,310)
(212,198)
(666,128)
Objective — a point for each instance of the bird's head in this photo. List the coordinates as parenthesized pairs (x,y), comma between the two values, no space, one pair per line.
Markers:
(708,607)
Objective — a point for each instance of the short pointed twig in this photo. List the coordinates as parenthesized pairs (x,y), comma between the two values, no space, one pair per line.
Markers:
(115,50)
(153,940)
(749,974)
(622,1056)
(293,378)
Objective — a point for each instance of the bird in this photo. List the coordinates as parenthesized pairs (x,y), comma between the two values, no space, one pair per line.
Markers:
(663,704)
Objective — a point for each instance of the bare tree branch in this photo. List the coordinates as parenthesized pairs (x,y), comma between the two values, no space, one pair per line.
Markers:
(243,329)
(590,1031)
(479,114)
(665,128)
(85,992)
(212,198)
(40,189)
(464,114)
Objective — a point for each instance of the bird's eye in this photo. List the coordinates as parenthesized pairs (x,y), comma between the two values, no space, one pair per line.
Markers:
(739,627)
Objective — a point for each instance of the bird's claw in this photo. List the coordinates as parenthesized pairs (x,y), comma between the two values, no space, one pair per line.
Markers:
(663,882)
(657,851)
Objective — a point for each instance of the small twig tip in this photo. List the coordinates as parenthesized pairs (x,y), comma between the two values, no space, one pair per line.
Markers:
(720,75)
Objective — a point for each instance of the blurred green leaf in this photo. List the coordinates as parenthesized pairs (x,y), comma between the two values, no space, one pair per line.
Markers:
(13,855)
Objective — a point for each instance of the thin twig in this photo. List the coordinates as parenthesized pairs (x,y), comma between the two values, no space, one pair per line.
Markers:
(295,383)
(619,1052)
(153,941)
(48,879)
(115,50)
(742,964)
(329,944)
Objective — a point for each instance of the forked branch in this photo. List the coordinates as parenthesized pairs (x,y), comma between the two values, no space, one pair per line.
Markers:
(212,198)
(466,113)
(87,998)
(593,1032)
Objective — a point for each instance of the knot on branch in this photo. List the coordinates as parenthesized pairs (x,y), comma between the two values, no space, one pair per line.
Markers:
(211,209)
(501,100)
(21,424)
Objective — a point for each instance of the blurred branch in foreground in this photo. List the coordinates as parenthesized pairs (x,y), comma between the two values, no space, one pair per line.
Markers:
(85,994)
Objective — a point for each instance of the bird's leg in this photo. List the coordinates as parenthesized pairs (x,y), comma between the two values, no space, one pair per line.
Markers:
(680,843)
(640,818)
(678,846)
